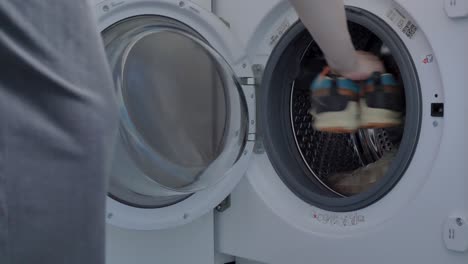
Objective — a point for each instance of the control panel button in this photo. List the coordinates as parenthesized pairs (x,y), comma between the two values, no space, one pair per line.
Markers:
(456,234)
(456,8)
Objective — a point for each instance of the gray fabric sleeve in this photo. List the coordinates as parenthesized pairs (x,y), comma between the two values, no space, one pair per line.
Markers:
(326,21)
(59,120)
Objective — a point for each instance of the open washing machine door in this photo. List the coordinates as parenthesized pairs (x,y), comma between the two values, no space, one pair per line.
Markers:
(187,121)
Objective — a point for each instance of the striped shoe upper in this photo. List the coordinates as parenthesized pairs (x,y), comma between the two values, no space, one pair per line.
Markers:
(384,92)
(332,93)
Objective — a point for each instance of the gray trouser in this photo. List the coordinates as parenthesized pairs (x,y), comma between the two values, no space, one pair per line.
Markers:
(57,126)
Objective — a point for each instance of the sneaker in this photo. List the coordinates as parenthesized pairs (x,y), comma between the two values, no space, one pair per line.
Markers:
(335,104)
(382,102)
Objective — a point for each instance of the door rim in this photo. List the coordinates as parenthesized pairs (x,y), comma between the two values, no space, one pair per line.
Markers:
(223,41)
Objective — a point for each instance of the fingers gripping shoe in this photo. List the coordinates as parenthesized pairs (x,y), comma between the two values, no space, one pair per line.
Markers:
(335,104)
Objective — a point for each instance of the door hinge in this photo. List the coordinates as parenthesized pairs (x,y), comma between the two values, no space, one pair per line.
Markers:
(258,73)
(247,81)
(259,148)
(224,205)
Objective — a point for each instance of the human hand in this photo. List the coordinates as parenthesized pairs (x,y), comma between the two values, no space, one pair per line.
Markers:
(366,64)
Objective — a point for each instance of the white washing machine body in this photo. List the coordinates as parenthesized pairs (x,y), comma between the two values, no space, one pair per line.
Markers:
(423,218)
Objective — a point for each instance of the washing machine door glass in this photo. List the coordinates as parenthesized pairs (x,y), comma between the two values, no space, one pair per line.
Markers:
(182,116)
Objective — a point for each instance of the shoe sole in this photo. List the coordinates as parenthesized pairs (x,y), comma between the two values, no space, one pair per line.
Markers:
(378,118)
(345,121)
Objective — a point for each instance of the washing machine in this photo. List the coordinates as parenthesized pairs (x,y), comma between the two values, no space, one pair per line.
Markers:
(395,195)
(217,161)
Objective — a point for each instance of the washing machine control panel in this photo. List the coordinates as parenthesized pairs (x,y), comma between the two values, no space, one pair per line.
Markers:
(456,8)
(456,233)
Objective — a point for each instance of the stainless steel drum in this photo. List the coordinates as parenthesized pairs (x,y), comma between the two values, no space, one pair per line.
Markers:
(346,164)
(336,172)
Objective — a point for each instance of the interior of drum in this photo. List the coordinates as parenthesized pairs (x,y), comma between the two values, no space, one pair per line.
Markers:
(346,164)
